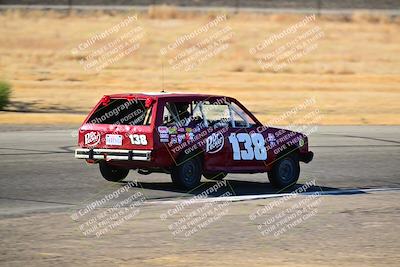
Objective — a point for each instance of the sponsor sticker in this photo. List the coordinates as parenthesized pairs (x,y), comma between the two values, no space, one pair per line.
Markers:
(92,138)
(173,130)
(162,129)
(215,142)
(189,136)
(197,129)
(174,139)
(164,135)
(114,140)
(181,138)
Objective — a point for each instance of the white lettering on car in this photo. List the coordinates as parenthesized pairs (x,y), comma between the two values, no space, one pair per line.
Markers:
(254,146)
(138,139)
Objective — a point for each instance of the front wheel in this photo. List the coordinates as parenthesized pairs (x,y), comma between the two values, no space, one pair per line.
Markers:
(187,173)
(285,172)
(112,174)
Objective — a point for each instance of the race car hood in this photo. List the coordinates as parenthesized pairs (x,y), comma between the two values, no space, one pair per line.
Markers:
(280,139)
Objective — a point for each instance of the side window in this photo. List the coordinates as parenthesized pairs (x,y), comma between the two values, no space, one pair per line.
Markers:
(216,114)
(240,119)
(196,112)
(207,112)
(167,116)
(176,113)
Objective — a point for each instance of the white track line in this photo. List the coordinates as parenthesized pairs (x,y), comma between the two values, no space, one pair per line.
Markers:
(265,196)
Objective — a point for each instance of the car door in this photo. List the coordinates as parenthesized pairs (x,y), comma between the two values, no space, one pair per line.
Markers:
(246,148)
(215,119)
(184,129)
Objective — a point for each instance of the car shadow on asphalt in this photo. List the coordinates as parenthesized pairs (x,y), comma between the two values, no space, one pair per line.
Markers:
(240,188)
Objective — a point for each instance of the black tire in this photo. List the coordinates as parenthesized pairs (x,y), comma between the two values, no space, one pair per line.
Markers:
(217,176)
(285,172)
(187,173)
(112,174)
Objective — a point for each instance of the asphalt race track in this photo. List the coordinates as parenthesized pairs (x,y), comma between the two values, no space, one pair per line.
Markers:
(47,217)
(38,170)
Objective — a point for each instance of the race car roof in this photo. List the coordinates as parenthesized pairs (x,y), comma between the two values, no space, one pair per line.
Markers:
(164,95)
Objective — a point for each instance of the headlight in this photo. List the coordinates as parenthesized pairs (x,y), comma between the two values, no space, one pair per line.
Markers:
(301,142)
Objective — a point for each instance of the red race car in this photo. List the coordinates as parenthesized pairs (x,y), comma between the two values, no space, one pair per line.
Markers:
(187,136)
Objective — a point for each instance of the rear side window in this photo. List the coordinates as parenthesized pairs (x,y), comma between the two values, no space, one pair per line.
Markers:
(122,111)
(177,113)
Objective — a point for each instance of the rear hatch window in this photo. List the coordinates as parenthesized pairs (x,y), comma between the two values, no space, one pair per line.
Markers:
(121,111)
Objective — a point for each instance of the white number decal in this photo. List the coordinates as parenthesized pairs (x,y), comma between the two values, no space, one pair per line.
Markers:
(260,151)
(235,146)
(138,139)
(248,153)
(254,146)
(143,139)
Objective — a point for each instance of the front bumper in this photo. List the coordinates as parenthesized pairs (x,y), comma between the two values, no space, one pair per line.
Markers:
(112,154)
(306,157)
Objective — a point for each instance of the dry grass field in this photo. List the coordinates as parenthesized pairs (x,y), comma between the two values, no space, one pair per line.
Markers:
(354,72)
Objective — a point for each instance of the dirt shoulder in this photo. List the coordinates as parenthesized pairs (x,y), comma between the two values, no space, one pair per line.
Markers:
(352,83)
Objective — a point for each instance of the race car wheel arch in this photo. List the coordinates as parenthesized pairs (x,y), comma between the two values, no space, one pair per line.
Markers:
(289,150)
(112,173)
(187,171)
(285,171)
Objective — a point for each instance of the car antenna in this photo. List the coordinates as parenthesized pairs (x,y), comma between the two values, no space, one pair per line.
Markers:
(162,75)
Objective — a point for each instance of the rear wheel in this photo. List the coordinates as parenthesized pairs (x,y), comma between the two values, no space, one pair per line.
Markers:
(111,173)
(285,171)
(218,176)
(187,173)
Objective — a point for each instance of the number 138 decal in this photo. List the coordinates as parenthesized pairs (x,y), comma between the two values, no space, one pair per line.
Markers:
(254,146)
(138,139)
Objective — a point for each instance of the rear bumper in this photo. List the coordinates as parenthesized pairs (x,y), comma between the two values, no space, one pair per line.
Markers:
(306,157)
(112,154)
